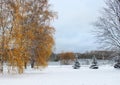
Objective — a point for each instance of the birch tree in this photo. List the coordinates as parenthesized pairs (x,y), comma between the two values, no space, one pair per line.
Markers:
(29,34)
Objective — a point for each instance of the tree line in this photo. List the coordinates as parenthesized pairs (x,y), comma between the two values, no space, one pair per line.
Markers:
(71,56)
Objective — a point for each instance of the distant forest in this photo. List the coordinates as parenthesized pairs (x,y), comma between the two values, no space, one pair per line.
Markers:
(104,55)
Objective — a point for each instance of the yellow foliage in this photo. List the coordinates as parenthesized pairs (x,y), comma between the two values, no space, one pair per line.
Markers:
(67,56)
(30,34)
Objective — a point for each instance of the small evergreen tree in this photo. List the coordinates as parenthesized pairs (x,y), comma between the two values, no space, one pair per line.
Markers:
(117,65)
(94,63)
(76,64)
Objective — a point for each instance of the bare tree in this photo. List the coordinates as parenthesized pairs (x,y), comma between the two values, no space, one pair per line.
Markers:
(108,25)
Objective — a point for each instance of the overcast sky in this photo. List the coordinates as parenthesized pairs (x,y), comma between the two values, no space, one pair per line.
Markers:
(74,24)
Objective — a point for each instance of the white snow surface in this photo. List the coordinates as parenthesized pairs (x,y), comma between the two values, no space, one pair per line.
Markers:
(64,75)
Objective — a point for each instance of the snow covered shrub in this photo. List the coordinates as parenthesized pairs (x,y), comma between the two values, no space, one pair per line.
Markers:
(94,63)
(76,64)
(117,64)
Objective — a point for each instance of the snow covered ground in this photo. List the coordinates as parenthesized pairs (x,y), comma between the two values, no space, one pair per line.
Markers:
(64,75)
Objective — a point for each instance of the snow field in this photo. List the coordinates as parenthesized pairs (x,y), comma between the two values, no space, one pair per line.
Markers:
(64,75)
